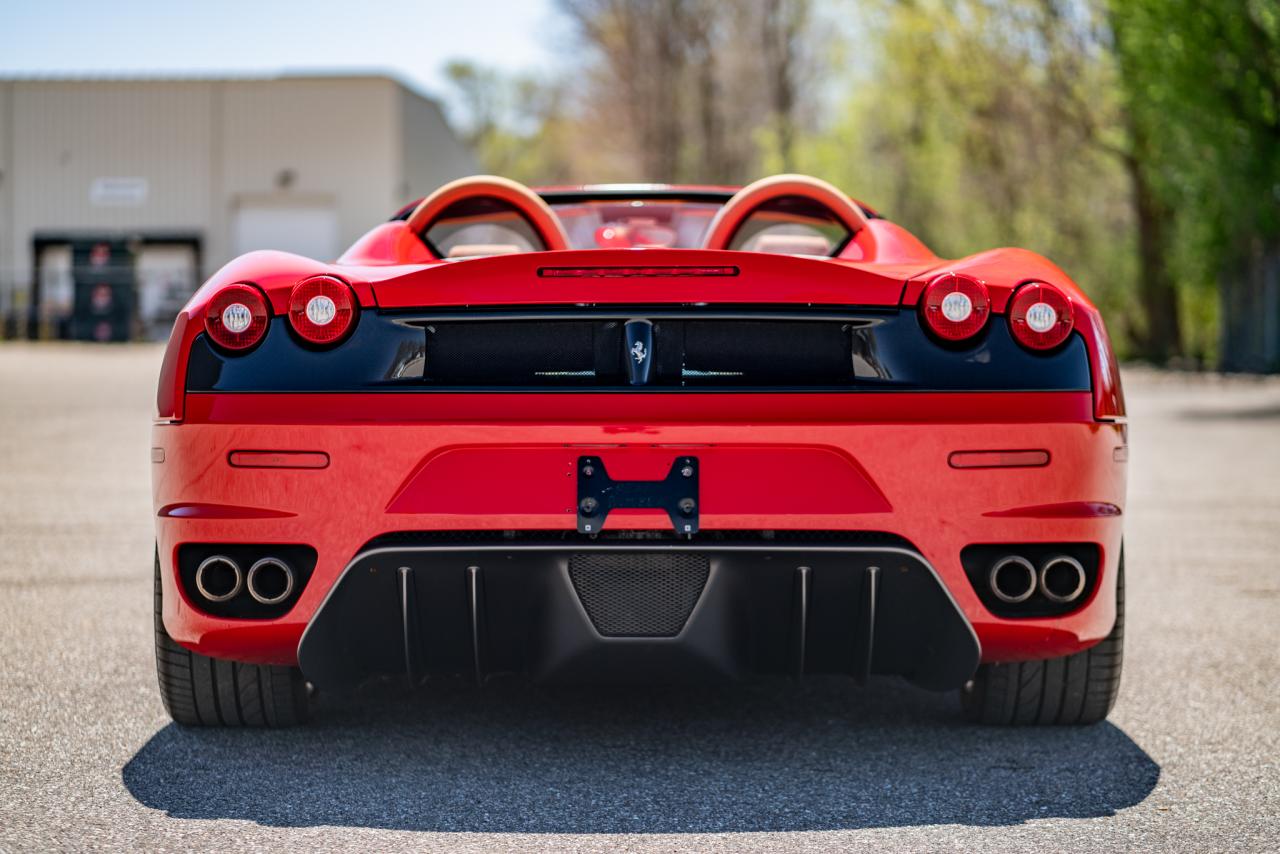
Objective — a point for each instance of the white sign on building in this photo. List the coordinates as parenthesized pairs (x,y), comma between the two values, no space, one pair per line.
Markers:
(118,192)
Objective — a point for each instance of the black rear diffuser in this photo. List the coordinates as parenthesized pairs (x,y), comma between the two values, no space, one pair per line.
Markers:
(481,608)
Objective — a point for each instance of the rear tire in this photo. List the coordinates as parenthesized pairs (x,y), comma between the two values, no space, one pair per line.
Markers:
(1074,689)
(202,691)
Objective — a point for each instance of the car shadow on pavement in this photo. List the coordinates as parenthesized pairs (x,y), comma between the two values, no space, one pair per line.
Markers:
(771,755)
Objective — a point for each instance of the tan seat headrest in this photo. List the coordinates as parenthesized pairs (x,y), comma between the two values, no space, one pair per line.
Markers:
(793,244)
(481,250)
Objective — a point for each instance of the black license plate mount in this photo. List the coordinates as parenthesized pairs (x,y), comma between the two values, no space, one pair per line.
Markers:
(677,494)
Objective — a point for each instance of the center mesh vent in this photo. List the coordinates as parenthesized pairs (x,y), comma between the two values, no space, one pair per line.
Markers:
(685,353)
(639,595)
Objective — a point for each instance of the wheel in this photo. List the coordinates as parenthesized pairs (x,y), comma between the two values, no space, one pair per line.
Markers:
(202,691)
(1074,689)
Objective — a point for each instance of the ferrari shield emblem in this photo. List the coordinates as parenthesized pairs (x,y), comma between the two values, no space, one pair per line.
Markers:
(639,344)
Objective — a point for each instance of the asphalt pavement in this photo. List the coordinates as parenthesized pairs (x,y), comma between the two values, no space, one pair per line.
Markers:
(88,759)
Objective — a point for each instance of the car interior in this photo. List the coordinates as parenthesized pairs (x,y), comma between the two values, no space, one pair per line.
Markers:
(794,215)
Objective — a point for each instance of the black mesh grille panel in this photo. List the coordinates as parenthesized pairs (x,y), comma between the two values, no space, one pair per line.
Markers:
(685,352)
(639,595)
(763,352)
(571,352)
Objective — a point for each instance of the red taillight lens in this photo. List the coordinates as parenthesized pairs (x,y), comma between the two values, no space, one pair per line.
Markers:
(237,317)
(1040,316)
(322,309)
(955,307)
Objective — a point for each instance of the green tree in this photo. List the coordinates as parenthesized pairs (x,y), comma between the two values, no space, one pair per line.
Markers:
(1202,89)
(1135,142)
(980,123)
(518,126)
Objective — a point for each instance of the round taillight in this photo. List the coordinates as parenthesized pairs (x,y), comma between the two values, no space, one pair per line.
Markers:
(1040,316)
(322,309)
(955,306)
(237,317)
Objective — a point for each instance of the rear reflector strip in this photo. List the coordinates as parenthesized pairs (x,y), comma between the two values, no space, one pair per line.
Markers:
(998,459)
(632,272)
(279,459)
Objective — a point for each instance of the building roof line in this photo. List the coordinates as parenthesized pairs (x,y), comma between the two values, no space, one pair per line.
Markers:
(277,76)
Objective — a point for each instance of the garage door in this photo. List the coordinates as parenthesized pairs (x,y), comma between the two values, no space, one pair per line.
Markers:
(308,230)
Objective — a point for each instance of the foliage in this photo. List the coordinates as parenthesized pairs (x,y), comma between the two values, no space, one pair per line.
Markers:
(518,127)
(1134,142)
(988,124)
(1202,82)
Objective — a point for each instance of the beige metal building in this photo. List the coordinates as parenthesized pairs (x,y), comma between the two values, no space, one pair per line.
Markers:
(167,179)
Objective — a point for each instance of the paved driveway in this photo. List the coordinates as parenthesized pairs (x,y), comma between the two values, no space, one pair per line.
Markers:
(88,758)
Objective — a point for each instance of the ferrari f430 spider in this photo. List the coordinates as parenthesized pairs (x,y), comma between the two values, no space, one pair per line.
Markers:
(640,432)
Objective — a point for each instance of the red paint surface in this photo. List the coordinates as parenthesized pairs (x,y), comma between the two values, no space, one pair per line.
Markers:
(381,448)
(173,369)
(735,480)
(623,414)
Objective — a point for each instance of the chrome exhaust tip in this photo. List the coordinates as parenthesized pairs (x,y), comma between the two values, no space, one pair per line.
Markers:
(1012,579)
(270,581)
(1062,579)
(218,578)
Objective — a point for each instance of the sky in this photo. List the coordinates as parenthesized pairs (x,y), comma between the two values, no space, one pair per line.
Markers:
(411,39)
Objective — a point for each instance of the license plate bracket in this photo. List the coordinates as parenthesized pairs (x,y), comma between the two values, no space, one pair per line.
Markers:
(677,494)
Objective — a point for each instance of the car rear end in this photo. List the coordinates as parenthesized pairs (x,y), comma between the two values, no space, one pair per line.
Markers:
(576,466)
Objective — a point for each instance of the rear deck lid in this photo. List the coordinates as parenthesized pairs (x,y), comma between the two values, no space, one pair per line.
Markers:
(638,277)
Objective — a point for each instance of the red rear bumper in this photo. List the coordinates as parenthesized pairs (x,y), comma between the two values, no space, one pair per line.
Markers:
(816,462)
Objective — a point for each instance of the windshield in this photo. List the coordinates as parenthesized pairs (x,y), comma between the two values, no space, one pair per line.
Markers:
(627,223)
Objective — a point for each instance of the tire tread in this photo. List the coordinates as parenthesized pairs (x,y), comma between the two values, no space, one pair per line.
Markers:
(1071,690)
(201,691)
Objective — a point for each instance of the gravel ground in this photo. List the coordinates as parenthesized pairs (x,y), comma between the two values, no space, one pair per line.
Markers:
(88,759)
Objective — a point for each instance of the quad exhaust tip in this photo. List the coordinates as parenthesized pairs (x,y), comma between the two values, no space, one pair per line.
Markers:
(1013,579)
(1062,579)
(270,581)
(219,578)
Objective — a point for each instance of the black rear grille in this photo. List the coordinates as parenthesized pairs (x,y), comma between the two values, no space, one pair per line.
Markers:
(757,352)
(685,352)
(639,595)
(567,352)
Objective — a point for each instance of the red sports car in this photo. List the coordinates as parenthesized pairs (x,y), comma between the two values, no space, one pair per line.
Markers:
(639,432)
